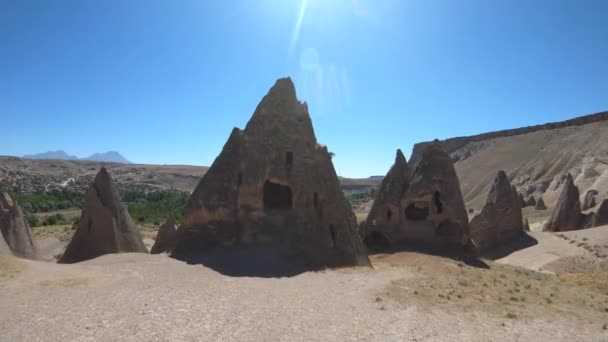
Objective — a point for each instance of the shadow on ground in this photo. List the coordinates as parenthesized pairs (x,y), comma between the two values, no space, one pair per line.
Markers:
(469,259)
(243,262)
(522,242)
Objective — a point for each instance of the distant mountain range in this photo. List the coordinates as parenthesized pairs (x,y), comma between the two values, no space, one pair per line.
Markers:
(110,156)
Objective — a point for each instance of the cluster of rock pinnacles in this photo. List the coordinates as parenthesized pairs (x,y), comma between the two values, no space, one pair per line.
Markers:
(273,187)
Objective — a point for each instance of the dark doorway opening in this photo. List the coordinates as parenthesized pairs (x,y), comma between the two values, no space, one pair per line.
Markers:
(332,231)
(437,201)
(376,241)
(315,200)
(389,215)
(414,213)
(289,159)
(277,196)
(240,180)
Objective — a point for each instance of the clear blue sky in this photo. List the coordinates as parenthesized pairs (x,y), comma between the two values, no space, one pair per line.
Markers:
(164,82)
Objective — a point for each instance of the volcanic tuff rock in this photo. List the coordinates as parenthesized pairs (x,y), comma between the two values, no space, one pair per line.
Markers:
(274,188)
(15,229)
(385,214)
(540,204)
(500,220)
(453,144)
(537,159)
(431,212)
(567,212)
(600,217)
(105,225)
(165,238)
(590,200)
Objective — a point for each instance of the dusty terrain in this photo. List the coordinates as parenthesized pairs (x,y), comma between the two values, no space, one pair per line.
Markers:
(407,297)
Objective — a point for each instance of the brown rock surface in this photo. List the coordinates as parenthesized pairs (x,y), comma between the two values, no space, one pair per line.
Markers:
(105,225)
(500,220)
(567,212)
(385,215)
(15,229)
(432,215)
(540,204)
(273,189)
(600,217)
(165,238)
(590,199)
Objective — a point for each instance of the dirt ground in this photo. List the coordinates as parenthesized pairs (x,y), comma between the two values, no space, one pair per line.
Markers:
(407,297)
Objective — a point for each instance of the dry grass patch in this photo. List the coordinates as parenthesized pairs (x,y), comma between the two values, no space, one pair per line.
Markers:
(57,231)
(502,290)
(66,282)
(10,267)
(593,280)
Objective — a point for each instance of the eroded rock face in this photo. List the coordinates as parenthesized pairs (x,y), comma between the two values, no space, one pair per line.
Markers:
(540,204)
(432,215)
(567,212)
(500,220)
(105,225)
(16,231)
(274,187)
(600,217)
(385,216)
(530,202)
(165,238)
(590,199)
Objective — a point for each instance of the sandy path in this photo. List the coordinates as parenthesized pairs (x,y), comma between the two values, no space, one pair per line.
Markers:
(137,297)
(554,246)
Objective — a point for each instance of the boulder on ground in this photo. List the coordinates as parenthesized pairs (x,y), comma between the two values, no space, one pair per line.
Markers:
(165,238)
(273,188)
(567,212)
(590,199)
(500,220)
(540,204)
(16,231)
(105,225)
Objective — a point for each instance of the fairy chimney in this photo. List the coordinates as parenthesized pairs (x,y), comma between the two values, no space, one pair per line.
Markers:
(274,187)
(105,225)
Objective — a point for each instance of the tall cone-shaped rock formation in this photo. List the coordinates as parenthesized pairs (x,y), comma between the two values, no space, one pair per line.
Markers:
(567,212)
(424,210)
(540,204)
(105,225)
(273,188)
(500,220)
(385,216)
(165,238)
(433,208)
(15,229)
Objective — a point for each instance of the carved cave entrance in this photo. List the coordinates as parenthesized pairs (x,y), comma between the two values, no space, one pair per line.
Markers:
(277,196)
